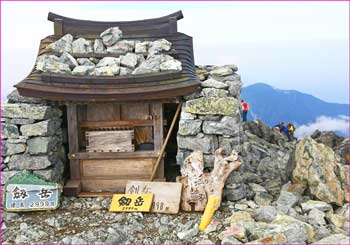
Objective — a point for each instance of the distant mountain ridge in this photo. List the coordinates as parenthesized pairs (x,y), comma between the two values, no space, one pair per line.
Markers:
(274,105)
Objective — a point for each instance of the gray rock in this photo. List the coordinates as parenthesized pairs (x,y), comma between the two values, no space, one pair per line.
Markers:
(6,175)
(263,198)
(142,47)
(21,121)
(51,63)
(189,127)
(19,140)
(124,71)
(140,59)
(221,71)
(204,143)
(208,160)
(171,65)
(27,111)
(226,126)
(230,240)
(129,60)
(54,173)
(116,237)
(83,70)
(9,130)
(334,239)
(82,46)
(108,61)
(311,204)
(111,36)
(214,92)
(228,143)
(107,70)
(187,116)
(14,97)
(188,234)
(151,64)
(68,59)
(236,192)
(265,214)
(77,240)
(286,200)
(44,128)
(64,44)
(122,47)
(316,217)
(85,62)
(39,145)
(159,46)
(234,87)
(98,47)
(9,149)
(212,83)
(214,106)
(26,162)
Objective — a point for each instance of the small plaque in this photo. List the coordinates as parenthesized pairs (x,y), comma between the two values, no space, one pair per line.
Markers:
(22,197)
(131,203)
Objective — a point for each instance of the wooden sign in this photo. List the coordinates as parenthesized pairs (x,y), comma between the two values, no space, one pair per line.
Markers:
(166,195)
(131,203)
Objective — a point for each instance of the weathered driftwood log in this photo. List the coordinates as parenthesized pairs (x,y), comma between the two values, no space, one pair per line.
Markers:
(197,185)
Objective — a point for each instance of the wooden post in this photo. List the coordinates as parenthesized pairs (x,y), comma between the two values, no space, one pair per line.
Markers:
(73,140)
(197,186)
(58,27)
(160,155)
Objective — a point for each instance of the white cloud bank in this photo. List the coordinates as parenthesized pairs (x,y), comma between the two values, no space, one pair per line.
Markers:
(324,123)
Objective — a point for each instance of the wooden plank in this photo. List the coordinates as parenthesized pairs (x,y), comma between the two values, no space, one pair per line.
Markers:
(114,185)
(95,194)
(158,131)
(72,188)
(114,155)
(103,112)
(167,195)
(117,168)
(110,141)
(58,27)
(123,123)
(73,142)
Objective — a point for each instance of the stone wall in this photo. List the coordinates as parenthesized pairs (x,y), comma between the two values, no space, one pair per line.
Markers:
(32,137)
(210,117)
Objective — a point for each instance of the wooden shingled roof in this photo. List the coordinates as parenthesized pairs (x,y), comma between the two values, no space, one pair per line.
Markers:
(151,86)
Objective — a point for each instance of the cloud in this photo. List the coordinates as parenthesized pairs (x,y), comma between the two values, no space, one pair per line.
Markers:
(324,123)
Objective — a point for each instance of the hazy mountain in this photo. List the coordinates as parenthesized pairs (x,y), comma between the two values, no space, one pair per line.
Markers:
(274,105)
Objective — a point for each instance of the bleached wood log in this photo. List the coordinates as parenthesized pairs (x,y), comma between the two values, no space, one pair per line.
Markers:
(197,185)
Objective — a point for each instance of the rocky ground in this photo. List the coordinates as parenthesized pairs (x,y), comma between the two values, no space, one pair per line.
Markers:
(291,219)
(262,207)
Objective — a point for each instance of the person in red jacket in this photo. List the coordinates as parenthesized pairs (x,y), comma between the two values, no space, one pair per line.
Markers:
(245,109)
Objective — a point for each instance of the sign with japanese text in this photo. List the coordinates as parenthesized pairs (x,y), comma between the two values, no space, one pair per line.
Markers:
(131,203)
(167,195)
(25,197)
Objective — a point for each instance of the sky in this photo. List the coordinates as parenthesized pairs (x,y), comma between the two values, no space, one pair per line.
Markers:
(289,45)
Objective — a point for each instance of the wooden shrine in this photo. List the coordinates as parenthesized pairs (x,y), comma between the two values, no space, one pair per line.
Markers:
(115,124)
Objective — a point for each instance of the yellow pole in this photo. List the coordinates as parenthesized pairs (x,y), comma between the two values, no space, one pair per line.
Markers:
(209,211)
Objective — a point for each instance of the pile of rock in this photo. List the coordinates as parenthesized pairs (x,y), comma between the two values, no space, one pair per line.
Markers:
(210,117)
(32,138)
(134,56)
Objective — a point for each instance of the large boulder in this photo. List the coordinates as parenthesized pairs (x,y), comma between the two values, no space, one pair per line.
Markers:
(226,126)
(201,142)
(43,128)
(315,168)
(329,138)
(213,106)
(28,111)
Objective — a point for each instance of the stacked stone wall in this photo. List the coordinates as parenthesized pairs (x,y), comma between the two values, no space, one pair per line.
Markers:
(32,138)
(211,116)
